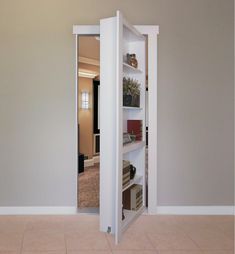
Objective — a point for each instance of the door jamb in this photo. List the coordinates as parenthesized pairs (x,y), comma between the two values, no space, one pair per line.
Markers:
(152,33)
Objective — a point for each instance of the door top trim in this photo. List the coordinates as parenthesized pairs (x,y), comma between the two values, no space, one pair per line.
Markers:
(95,29)
(86,29)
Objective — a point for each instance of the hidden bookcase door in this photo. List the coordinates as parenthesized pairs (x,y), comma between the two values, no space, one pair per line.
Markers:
(123,101)
(122,119)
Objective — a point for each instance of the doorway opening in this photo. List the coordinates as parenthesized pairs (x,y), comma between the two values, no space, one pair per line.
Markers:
(88,64)
(88,103)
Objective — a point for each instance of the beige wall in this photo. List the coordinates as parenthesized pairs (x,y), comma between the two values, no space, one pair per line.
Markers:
(37,98)
(85,118)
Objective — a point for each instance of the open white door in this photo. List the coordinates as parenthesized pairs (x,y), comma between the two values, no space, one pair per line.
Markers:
(117,39)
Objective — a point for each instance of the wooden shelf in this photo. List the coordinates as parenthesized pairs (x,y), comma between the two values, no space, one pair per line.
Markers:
(130,69)
(136,180)
(133,146)
(132,108)
(131,216)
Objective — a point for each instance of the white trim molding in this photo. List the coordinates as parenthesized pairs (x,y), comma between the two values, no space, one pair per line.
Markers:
(90,61)
(37,210)
(84,73)
(92,161)
(86,30)
(195,210)
(151,32)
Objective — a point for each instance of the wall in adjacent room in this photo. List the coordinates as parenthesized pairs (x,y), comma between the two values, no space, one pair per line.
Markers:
(85,118)
(38,136)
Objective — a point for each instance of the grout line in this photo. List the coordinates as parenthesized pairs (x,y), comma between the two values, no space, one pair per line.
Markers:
(66,250)
(109,244)
(65,242)
(147,235)
(199,248)
(187,235)
(22,241)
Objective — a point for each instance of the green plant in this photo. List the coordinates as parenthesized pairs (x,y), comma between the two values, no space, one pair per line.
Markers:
(131,86)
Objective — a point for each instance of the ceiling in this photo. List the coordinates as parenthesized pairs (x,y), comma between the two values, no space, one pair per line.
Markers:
(89,46)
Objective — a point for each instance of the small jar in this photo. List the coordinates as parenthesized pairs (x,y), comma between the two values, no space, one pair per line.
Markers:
(131,60)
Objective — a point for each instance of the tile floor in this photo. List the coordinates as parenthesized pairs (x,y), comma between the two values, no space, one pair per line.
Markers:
(79,234)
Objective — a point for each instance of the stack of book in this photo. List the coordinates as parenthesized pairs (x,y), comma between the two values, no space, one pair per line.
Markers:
(126,174)
(133,198)
(134,127)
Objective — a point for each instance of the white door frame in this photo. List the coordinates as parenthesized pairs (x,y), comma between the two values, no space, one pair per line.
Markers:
(152,33)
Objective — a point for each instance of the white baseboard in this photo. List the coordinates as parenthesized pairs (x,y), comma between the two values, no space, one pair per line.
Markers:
(91,162)
(195,210)
(37,210)
(96,159)
(88,163)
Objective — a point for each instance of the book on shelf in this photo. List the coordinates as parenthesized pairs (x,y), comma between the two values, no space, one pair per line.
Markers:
(126,177)
(133,197)
(134,127)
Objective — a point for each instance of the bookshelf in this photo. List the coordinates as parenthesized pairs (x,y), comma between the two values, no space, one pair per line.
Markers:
(118,37)
(133,146)
(132,42)
(131,216)
(131,70)
(136,180)
(132,108)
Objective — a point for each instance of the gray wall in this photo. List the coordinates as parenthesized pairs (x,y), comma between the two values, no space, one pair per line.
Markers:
(37,98)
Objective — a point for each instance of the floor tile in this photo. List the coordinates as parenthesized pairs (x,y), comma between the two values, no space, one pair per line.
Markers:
(131,241)
(135,252)
(179,252)
(43,240)
(56,223)
(82,223)
(227,228)
(218,252)
(43,252)
(10,241)
(14,224)
(9,252)
(148,235)
(172,242)
(155,224)
(190,224)
(86,241)
(90,252)
(220,218)
(212,241)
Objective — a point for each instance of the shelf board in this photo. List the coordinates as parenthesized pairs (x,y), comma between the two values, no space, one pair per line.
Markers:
(131,216)
(130,69)
(133,146)
(136,180)
(134,108)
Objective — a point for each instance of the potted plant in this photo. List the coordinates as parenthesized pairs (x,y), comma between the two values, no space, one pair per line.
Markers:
(131,92)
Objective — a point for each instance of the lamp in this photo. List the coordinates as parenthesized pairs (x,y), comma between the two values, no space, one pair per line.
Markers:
(85,100)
